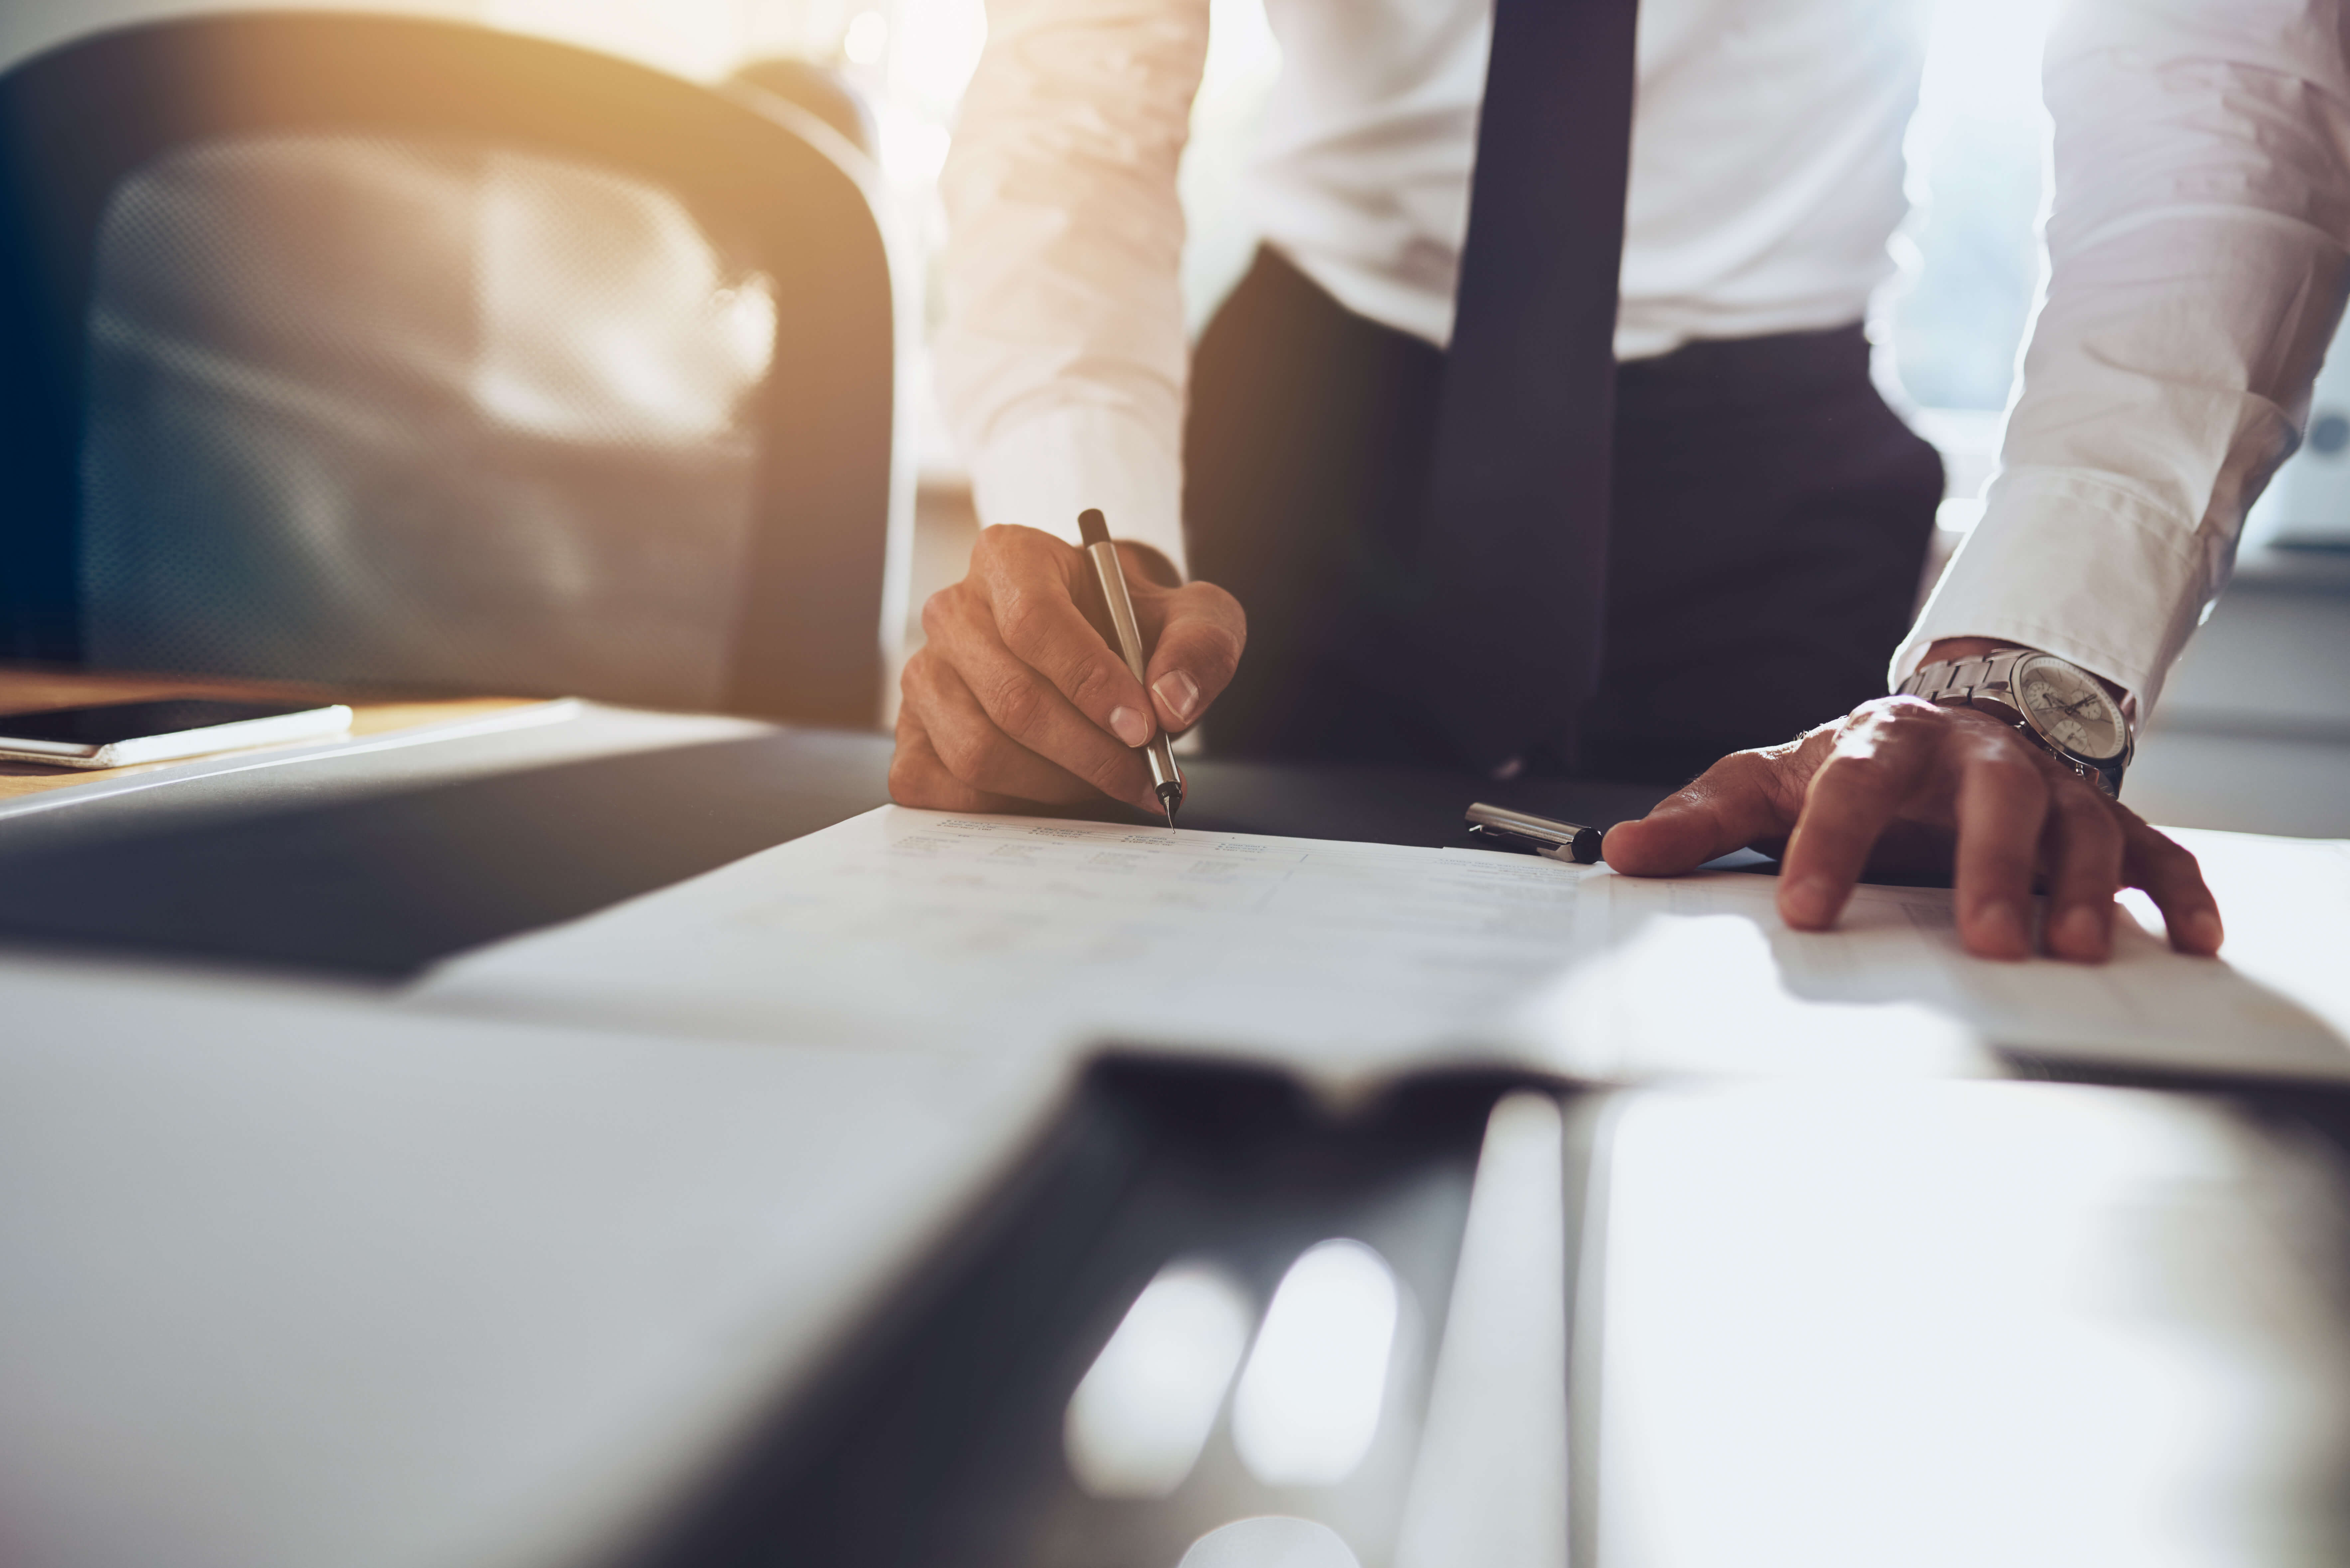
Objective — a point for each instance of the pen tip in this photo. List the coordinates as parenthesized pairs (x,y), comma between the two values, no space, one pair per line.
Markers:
(1169,797)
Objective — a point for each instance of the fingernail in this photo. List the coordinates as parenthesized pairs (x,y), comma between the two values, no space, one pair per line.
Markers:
(1180,692)
(1808,902)
(2204,932)
(1130,726)
(2079,934)
(1999,925)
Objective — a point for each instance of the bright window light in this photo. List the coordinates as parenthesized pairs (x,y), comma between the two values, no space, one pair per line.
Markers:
(1968,251)
(868,38)
(1137,1421)
(1308,1405)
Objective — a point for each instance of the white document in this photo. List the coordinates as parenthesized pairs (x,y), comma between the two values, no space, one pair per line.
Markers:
(1697,975)
(1354,961)
(911,927)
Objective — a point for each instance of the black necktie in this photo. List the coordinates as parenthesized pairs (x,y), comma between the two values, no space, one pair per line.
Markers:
(1507,617)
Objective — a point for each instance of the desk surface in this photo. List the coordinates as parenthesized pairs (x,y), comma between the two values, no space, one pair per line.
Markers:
(376,859)
(25,690)
(390,1236)
(1398,805)
(355,865)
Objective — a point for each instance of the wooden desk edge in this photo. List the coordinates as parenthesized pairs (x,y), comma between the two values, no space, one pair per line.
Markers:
(25,690)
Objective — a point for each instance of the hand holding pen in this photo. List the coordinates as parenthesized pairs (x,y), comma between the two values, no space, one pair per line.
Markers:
(1015,699)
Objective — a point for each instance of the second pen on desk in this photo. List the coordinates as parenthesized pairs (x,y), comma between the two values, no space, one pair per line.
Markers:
(1165,778)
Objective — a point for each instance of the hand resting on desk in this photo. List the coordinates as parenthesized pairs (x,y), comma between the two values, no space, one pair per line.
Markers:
(1901,784)
(1015,698)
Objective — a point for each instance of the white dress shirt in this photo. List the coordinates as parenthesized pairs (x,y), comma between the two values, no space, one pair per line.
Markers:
(2198,242)
(2198,246)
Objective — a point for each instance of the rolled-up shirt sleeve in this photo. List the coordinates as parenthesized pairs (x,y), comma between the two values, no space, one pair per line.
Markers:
(1062,360)
(2199,251)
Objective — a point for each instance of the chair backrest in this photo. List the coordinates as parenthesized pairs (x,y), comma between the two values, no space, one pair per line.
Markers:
(371,348)
(821,90)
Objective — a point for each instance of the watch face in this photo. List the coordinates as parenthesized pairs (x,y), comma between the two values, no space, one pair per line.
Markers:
(2069,707)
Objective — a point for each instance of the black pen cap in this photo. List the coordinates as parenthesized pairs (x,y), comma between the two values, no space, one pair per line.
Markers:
(1091,526)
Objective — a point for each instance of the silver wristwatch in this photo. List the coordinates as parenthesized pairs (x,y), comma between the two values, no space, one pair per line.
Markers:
(2058,706)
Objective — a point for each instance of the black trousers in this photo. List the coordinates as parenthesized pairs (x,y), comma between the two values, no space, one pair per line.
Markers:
(1769,522)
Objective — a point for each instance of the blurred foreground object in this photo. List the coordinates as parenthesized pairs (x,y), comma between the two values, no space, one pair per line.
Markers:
(294,1277)
(355,348)
(1962,1324)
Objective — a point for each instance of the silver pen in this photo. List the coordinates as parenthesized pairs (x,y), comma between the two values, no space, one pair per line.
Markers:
(1165,778)
(1544,836)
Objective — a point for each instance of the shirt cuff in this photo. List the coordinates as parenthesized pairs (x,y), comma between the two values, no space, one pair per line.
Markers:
(2077,565)
(1050,466)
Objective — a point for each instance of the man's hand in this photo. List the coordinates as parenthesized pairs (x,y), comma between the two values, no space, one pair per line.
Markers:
(1900,784)
(1016,699)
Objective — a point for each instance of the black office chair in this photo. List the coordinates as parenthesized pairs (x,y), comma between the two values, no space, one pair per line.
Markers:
(384,350)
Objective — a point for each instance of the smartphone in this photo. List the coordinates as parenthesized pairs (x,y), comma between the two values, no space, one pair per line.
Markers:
(114,734)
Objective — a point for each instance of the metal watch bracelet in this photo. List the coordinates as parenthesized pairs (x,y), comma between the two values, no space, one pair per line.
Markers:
(1961,680)
(1986,683)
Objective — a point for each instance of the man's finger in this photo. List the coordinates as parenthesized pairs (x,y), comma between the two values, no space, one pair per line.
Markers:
(1876,762)
(917,776)
(2002,806)
(2174,881)
(1028,581)
(1740,799)
(2082,846)
(1028,708)
(961,735)
(1200,633)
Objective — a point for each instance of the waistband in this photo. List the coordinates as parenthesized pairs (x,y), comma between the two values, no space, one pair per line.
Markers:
(1714,371)
(1707,372)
